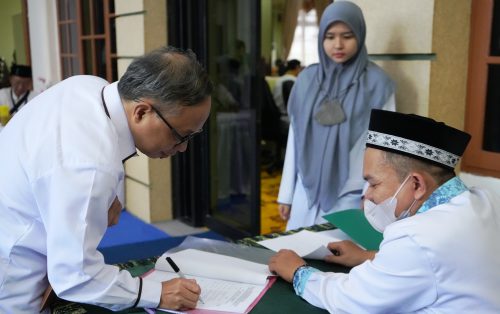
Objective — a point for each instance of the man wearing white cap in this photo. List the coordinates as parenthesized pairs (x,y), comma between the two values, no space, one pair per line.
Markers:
(440,247)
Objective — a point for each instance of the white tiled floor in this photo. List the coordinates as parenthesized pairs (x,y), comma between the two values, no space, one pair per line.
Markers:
(178,228)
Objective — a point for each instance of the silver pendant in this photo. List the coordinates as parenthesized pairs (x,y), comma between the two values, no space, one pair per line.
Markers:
(330,113)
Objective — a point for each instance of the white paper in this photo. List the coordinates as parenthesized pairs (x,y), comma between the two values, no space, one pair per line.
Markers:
(337,234)
(307,244)
(217,295)
(210,265)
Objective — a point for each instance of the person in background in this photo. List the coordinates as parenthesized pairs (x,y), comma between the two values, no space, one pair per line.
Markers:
(440,248)
(329,110)
(280,95)
(20,90)
(62,165)
(4,73)
(279,68)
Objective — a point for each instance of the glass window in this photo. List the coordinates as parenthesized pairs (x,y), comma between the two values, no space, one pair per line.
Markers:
(233,117)
(482,120)
(305,40)
(491,138)
(495,31)
(87,53)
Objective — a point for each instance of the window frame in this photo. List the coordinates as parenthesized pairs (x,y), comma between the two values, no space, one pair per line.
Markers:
(476,160)
(68,56)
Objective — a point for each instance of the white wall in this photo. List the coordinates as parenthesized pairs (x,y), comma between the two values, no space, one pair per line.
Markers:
(397,28)
(44,42)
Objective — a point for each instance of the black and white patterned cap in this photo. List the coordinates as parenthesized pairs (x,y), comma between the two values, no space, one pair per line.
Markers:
(417,137)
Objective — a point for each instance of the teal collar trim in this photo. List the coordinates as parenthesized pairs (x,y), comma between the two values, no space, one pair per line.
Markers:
(443,194)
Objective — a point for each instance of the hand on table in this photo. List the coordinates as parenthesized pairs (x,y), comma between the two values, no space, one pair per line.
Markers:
(179,293)
(348,253)
(284,211)
(284,263)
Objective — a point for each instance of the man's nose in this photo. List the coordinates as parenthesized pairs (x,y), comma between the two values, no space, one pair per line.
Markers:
(182,147)
(367,196)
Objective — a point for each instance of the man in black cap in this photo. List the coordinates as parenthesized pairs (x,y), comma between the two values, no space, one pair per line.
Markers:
(20,90)
(440,247)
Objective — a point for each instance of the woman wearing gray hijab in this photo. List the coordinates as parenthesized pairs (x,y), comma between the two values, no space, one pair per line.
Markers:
(329,109)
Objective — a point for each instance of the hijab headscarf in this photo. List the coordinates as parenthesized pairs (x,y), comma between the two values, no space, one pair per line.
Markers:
(322,151)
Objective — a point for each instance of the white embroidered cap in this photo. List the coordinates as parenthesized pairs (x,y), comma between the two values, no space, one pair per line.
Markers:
(417,137)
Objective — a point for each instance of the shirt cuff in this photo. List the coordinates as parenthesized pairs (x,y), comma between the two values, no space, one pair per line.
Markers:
(300,278)
(151,294)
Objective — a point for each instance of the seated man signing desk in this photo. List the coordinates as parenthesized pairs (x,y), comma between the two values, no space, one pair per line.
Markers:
(440,247)
(61,166)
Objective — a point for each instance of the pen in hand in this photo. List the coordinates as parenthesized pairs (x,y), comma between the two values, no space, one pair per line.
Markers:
(178,271)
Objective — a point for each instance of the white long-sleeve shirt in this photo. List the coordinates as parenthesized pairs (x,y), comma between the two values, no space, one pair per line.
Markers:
(445,260)
(61,167)
(292,190)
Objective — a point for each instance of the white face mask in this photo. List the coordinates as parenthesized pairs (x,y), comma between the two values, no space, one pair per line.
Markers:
(383,214)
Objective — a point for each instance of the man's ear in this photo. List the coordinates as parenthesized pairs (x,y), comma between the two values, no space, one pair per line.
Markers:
(139,111)
(419,185)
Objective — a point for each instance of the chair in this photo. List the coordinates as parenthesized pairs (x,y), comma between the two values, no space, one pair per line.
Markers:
(286,88)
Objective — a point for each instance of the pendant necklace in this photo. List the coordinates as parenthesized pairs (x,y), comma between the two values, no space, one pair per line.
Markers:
(331,112)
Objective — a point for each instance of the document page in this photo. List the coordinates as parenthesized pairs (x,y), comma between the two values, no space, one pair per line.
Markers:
(211,265)
(220,295)
(306,244)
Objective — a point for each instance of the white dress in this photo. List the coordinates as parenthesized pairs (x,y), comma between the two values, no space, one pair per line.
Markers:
(445,260)
(292,190)
(61,168)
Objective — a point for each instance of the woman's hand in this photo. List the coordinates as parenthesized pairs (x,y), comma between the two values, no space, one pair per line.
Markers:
(284,211)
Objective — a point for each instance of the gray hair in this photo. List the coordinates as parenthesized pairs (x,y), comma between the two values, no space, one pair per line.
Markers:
(171,76)
(403,164)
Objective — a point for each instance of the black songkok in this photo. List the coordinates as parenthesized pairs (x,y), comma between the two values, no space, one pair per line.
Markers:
(21,70)
(416,136)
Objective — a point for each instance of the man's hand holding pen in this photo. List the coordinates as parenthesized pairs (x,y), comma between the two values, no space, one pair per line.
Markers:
(179,293)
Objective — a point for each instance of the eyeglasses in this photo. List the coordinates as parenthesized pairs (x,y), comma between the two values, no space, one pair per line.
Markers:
(180,139)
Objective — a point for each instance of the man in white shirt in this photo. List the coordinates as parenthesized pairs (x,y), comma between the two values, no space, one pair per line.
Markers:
(20,90)
(439,252)
(293,69)
(62,163)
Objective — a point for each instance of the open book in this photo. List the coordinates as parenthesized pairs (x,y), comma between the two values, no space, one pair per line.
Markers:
(228,284)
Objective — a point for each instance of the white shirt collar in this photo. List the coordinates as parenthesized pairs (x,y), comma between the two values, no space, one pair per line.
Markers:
(14,96)
(119,120)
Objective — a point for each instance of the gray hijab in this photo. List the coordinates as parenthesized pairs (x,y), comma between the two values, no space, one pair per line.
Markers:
(322,151)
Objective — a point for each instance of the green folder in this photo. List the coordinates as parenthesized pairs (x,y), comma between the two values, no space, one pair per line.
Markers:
(354,223)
